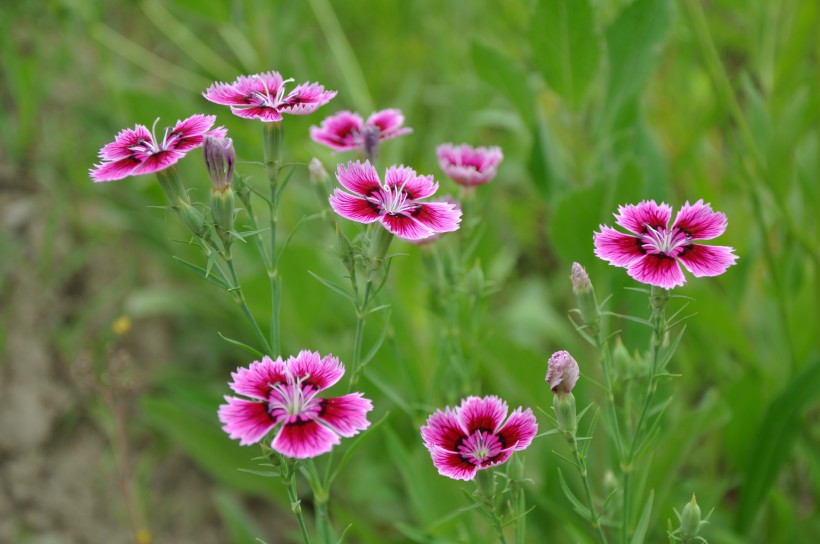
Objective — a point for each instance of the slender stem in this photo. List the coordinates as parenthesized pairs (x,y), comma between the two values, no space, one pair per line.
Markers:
(296,506)
(658,299)
(272,137)
(361,316)
(581,464)
(239,297)
(323,527)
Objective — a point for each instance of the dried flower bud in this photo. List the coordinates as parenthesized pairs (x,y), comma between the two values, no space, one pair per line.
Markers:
(562,372)
(219,159)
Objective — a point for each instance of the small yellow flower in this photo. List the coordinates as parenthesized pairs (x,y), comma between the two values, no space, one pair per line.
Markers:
(121,326)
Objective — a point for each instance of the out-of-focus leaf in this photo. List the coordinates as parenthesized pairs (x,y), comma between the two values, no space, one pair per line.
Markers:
(633,44)
(241,527)
(506,75)
(183,422)
(773,444)
(643,523)
(566,46)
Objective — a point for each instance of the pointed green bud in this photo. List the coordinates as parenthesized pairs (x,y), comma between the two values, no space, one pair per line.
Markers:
(317,171)
(192,217)
(585,298)
(222,208)
(690,523)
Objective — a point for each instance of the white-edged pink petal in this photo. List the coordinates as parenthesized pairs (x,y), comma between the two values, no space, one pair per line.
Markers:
(158,161)
(340,132)
(486,414)
(351,207)
(304,438)
(390,123)
(256,380)
(700,222)
(519,430)
(311,369)
(114,170)
(647,213)
(438,216)
(406,227)
(306,98)
(416,187)
(703,260)
(127,138)
(246,420)
(443,430)
(359,178)
(347,415)
(452,465)
(616,247)
(263,113)
(658,270)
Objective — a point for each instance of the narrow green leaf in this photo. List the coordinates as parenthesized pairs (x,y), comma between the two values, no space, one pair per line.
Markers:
(354,445)
(378,344)
(332,286)
(203,273)
(579,507)
(566,46)
(643,523)
(242,345)
(240,525)
(773,444)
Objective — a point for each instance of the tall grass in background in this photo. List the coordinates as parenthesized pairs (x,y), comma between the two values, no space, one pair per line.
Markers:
(608,104)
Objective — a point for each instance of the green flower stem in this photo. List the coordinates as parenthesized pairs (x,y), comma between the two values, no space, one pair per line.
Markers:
(272,137)
(485,492)
(361,317)
(239,298)
(658,298)
(581,465)
(296,506)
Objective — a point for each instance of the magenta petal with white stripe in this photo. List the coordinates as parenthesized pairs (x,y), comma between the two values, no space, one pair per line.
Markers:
(284,397)
(396,203)
(703,260)
(637,218)
(246,420)
(700,222)
(345,131)
(140,151)
(262,96)
(475,436)
(653,252)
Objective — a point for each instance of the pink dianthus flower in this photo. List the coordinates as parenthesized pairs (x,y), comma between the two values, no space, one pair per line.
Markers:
(469,166)
(283,395)
(138,150)
(346,131)
(652,251)
(397,203)
(475,436)
(262,96)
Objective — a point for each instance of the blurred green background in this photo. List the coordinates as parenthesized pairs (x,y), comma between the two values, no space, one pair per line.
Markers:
(112,369)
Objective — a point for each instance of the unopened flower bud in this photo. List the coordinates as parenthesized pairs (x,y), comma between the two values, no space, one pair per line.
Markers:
(192,217)
(562,372)
(219,159)
(371,135)
(690,523)
(222,209)
(317,171)
(585,298)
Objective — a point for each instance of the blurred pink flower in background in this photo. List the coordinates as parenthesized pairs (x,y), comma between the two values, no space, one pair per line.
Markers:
(475,436)
(469,166)
(396,203)
(345,131)
(262,96)
(283,393)
(652,251)
(138,150)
